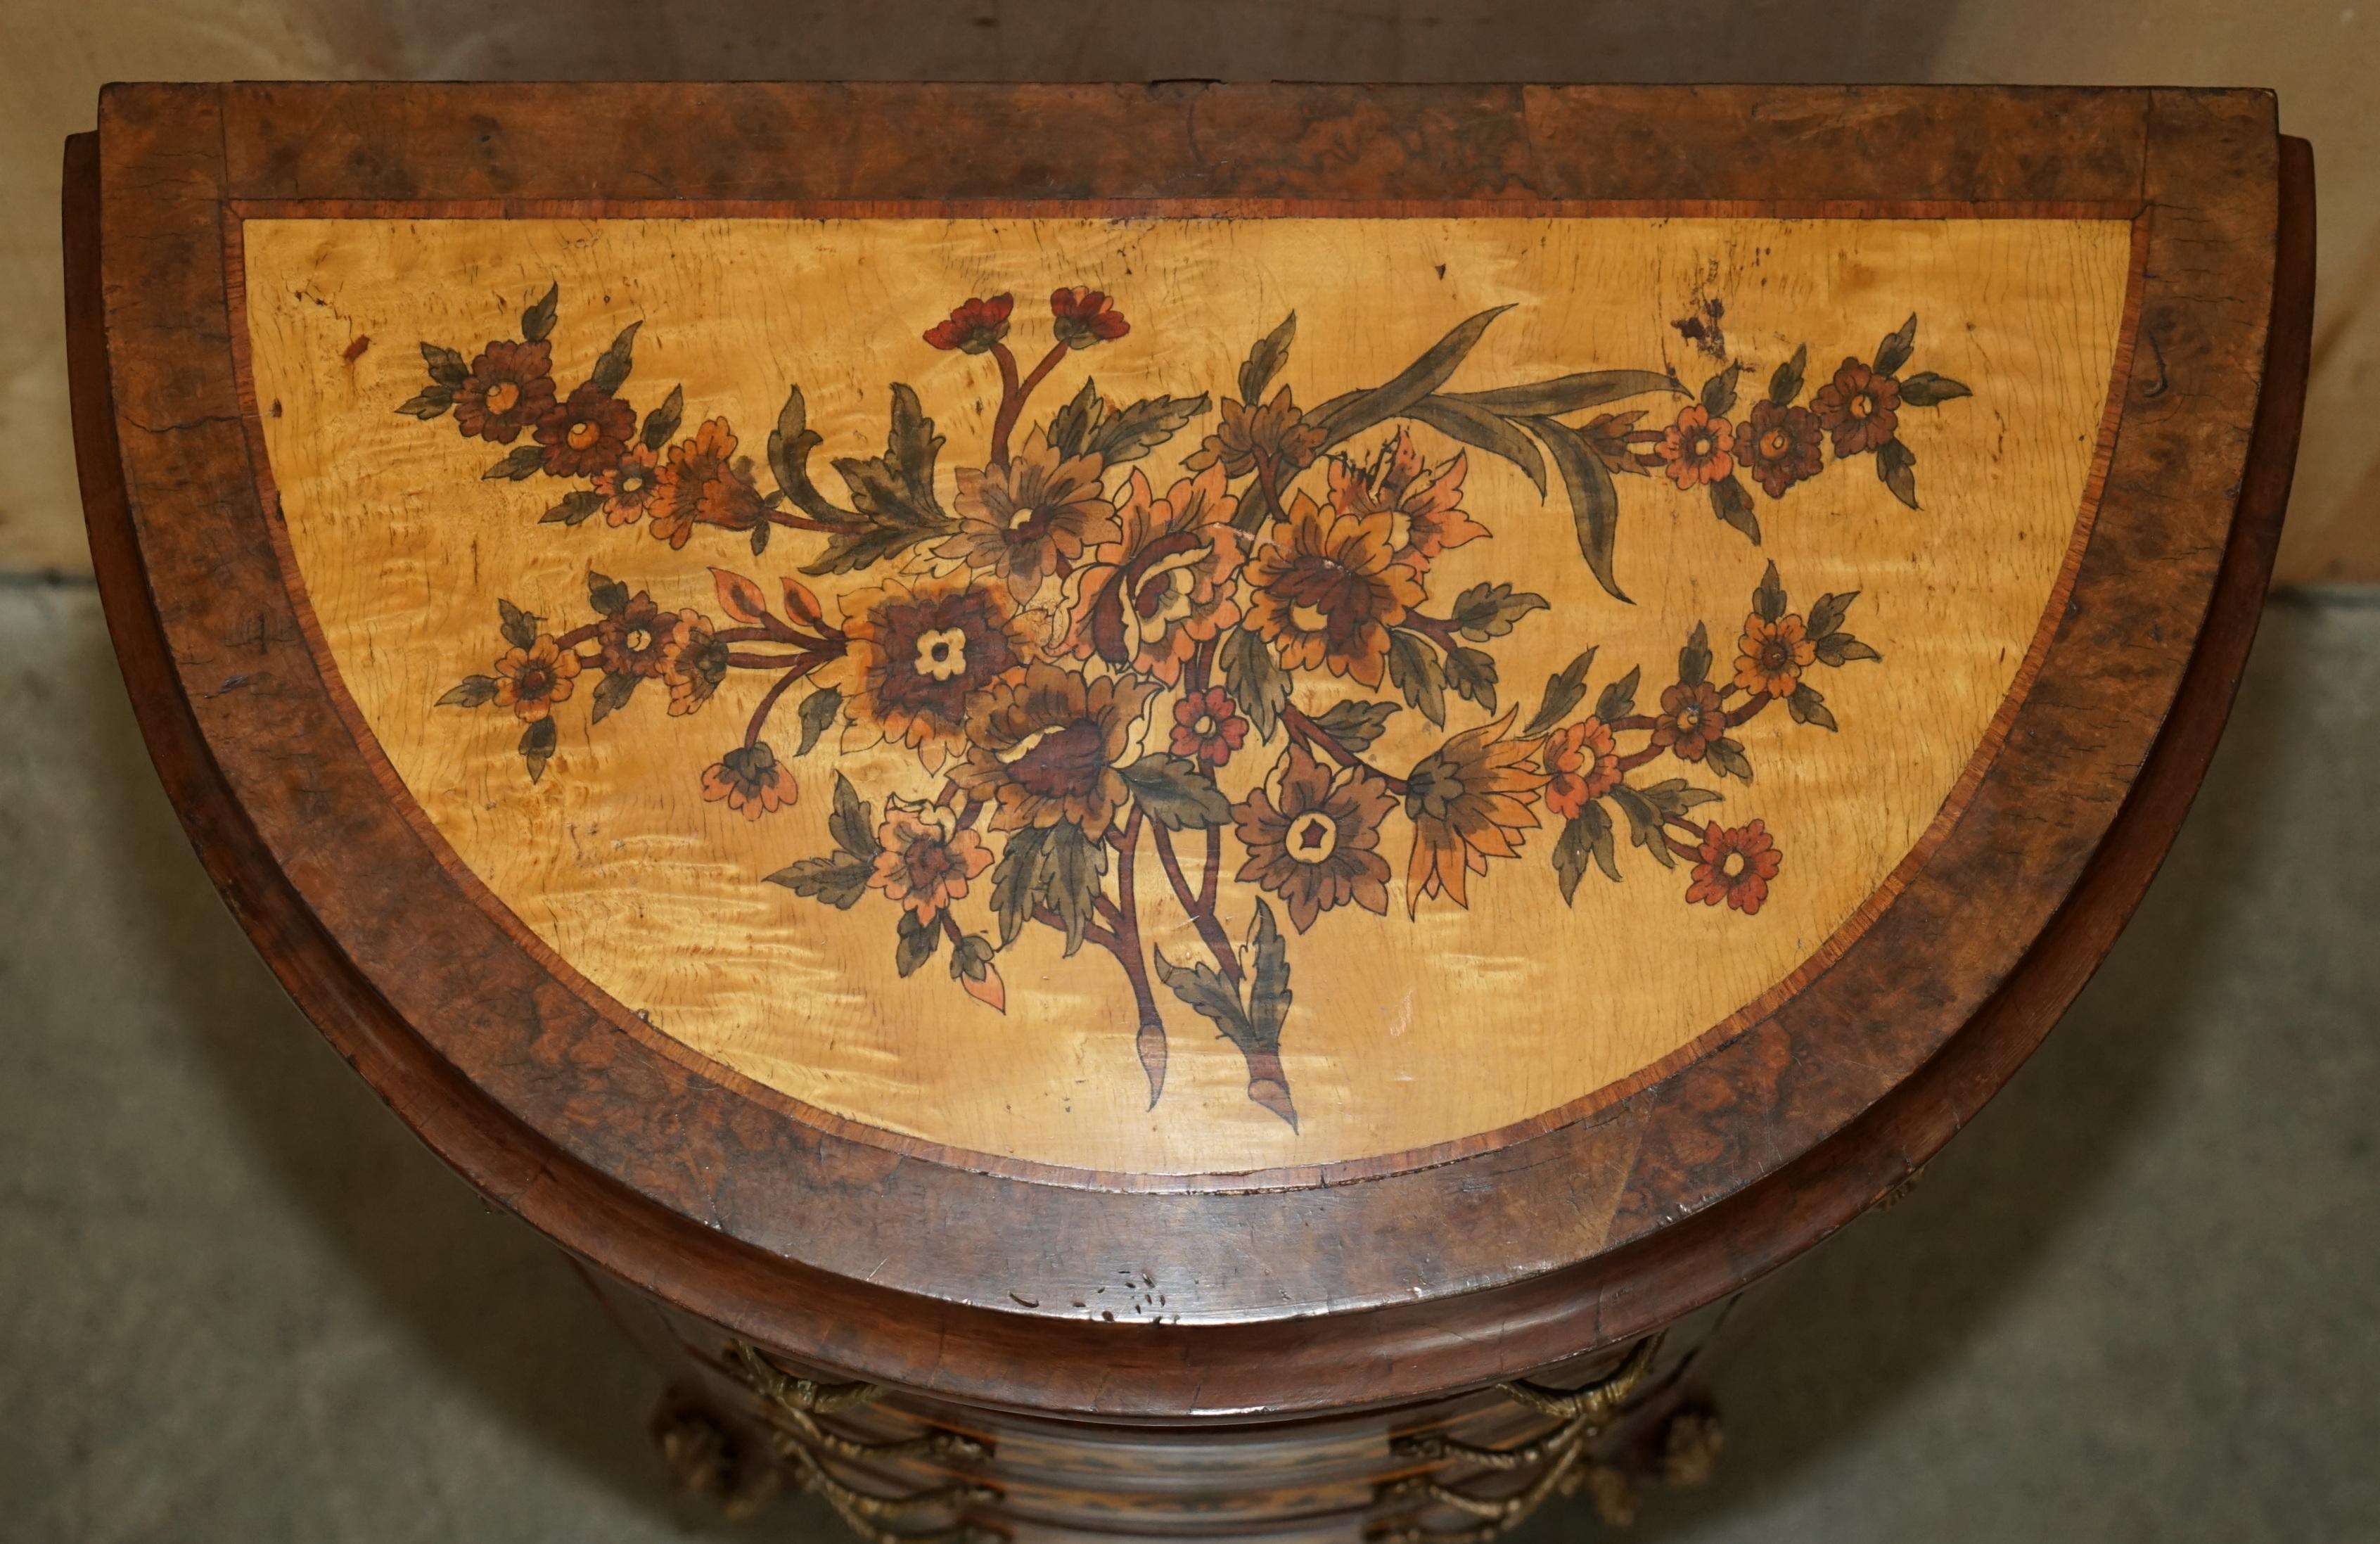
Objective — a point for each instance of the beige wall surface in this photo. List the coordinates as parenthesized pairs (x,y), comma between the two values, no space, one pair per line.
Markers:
(2319,55)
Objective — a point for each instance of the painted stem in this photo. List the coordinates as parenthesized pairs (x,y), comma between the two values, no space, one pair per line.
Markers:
(1013,391)
(1200,907)
(1311,733)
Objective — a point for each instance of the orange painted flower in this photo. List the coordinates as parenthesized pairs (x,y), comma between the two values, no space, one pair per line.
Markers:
(1469,801)
(531,681)
(1770,656)
(1778,445)
(1084,317)
(703,483)
(1031,519)
(628,487)
(751,780)
(974,326)
(1044,742)
(926,861)
(1313,838)
(1326,594)
(1425,508)
(1275,434)
(1859,408)
(1207,726)
(1698,448)
(918,650)
(1735,865)
(1584,763)
(1690,718)
(587,434)
(510,388)
(693,661)
(1149,598)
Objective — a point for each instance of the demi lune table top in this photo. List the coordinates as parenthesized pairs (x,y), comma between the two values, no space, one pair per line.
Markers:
(1188,707)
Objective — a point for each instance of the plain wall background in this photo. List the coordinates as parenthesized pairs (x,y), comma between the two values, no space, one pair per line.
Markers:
(2321,56)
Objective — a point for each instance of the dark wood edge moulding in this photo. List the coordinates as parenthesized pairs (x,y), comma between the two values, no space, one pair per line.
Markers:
(1459,1275)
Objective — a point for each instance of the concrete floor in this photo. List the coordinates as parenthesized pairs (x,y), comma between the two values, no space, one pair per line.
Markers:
(2133,1303)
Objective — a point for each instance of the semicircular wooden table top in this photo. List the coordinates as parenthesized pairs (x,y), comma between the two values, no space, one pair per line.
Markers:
(1198,748)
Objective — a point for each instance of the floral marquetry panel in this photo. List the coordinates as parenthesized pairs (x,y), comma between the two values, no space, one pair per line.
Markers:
(1179,693)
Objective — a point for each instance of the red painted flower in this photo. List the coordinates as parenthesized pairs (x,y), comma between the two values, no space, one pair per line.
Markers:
(926,860)
(1859,408)
(587,434)
(1698,448)
(1423,505)
(510,389)
(705,483)
(1207,724)
(531,681)
(1084,317)
(1313,837)
(1584,761)
(1326,592)
(1778,445)
(751,780)
(1690,718)
(1151,597)
(628,487)
(1735,865)
(973,327)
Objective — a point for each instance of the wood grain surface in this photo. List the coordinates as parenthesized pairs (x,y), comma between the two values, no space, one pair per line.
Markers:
(1304,1295)
(617,863)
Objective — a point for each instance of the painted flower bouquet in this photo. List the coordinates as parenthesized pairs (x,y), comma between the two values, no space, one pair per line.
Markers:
(1077,660)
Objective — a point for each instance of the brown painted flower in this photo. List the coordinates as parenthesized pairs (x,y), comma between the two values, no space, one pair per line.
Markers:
(1044,742)
(974,326)
(1698,448)
(1032,518)
(531,681)
(1859,408)
(1584,763)
(510,389)
(1770,656)
(1690,718)
(629,489)
(703,483)
(1469,801)
(1327,592)
(1275,433)
(1735,865)
(1425,508)
(1149,598)
(1313,838)
(1778,445)
(751,780)
(1084,317)
(918,650)
(926,861)
(1207,725)
(694,661)
(587,434)
(635,639)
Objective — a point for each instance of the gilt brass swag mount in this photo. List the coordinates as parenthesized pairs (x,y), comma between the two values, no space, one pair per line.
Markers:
(803,1452)
(1021,642)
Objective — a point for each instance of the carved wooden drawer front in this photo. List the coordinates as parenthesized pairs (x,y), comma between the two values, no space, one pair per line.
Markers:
(1160,810)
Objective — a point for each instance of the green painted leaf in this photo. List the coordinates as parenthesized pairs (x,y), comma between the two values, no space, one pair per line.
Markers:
(1675,795)
(537,744)
(1176,793)
(1265,359)
(1570,854)
(575,508)
(1356,724)
(428,403)
(915,944)
(853,822)
(1563,692)
(1718,393)
(447,367)
(1894,351)
(472,691)
(1618,700)
(1594,500)
(1644,824)
(1269,993)
(1896,468)
(1926,389)
(1840,649)
(1205,992)
(1409,385)
(1477,426)
(662,421)
(1694,659)
(612,365)
(1136,431)
(1808,705)
(1415,670)
(517,625)
(790,444)
(538,321)
(839,881)
(1826,615)
(1568,394)
(1472,675)
(817,711)
(1072,864)
(892,496)
(606,594)
(1016,881)
(1769,596)
(1255,679)
(520,464)
(612,694)
(1732,504)
(1726,757)
(1486,611)
(1786,384)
